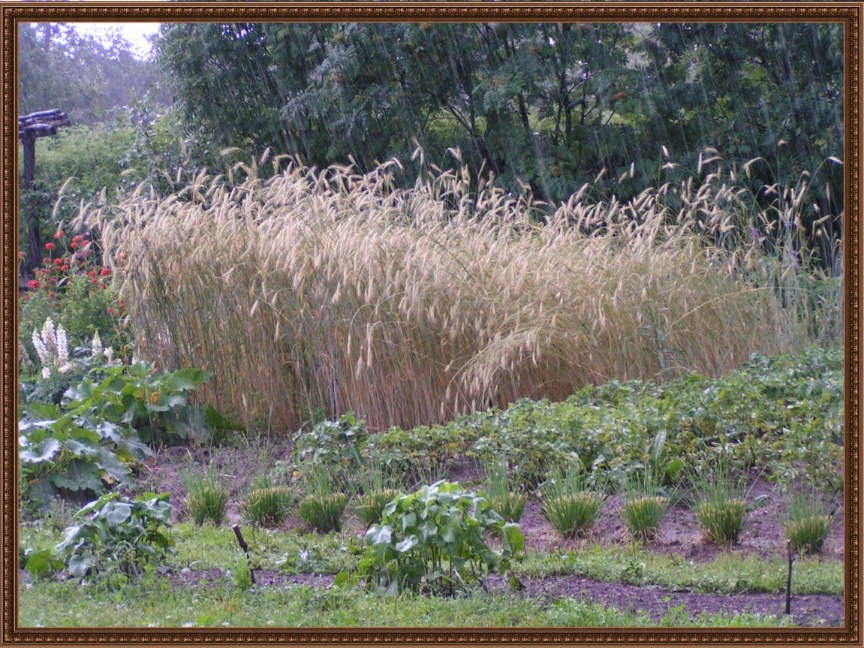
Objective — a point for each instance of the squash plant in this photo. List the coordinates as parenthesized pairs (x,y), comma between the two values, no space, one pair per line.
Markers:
(116,534)
(434,540)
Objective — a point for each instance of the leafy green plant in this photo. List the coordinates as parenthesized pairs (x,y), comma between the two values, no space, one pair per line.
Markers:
(334,447)
(567,504)
(116,534)
(806,524)
(156,403)
(507,503)
(268,505)
(63,452)
(433,540)
(206,497)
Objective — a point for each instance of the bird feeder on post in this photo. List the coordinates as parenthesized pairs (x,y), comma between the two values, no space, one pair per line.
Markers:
(37,124)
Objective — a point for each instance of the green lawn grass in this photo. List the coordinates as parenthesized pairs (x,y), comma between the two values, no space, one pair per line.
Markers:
(155,603)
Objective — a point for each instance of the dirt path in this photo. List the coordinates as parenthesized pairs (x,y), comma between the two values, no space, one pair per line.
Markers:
(807,610)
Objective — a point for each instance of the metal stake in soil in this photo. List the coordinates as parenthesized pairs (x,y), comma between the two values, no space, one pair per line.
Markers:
(245,549)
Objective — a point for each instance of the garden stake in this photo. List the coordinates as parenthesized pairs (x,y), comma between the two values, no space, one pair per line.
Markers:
(245,549)
(789,579)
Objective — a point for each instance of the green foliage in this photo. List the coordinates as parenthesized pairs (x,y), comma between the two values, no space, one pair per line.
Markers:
(568,506)
(333,448)
(545,107)
(783,413)
(642,515)
(78,73)
(41,562)
(267,506)
(370,505)
(155,403)
(806,524)
(116,535)
(323,512)
(644,506)
(99,428)
(433,540)
(507,503)
(62,451)
(721,502)
(79,299)
(729,573)
(206,497)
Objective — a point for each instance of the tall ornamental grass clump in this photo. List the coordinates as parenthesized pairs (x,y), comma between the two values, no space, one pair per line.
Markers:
(325,290)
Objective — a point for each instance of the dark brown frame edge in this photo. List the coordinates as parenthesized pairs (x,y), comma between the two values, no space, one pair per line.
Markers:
(847,13)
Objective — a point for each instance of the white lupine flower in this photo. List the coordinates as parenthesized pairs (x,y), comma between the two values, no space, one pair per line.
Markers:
(109,354)
(62,348)
(49,336)
(96,344)
(41,351)
(52,346)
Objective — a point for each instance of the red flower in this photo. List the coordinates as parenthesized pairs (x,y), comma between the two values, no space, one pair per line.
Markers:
(64,267)
(58,261)
(110,310)
(50,246)
(46,261)
(32,284)
(73,244)
(52,279)
(59,234)
(51,294)
(92,274)
(21,254)
(104,272)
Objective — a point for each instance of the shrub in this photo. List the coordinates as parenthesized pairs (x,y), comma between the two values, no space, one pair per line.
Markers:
(323,512)
(806,524)
(569,508)
(507,503)
(433,540)
(206,498)
(267,506)
(114,533)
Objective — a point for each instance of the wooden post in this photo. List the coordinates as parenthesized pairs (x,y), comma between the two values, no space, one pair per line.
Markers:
(245,549)
(34,241)
(39,124)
